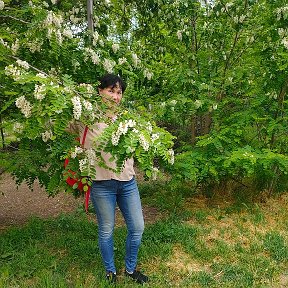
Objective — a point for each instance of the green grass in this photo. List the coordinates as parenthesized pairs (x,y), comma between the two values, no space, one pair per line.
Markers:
(196,245)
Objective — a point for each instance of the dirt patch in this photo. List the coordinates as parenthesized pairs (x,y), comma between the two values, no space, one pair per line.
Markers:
(17,206)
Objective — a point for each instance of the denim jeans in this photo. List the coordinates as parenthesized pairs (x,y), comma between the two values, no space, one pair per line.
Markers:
(104,195)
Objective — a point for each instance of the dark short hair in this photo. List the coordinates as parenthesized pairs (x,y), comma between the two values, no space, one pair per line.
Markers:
(111,80)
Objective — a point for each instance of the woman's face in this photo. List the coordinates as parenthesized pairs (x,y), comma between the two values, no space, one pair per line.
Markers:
(114,94)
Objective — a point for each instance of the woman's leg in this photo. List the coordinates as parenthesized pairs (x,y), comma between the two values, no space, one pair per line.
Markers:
(129,202)
(103,197)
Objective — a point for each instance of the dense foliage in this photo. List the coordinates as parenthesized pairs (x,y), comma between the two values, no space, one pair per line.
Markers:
(213,72)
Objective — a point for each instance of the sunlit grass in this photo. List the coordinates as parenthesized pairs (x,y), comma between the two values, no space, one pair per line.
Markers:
(197,244)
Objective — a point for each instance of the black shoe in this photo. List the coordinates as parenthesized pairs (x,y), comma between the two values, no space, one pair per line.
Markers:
(138,277)
(111,277)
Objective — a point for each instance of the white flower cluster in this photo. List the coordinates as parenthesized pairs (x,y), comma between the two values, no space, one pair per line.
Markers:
(149,127)
(173,102)
(122,130)
(18,127)
(155,172)
(35,45)
(82,164)
(285,42)
(171,156)
(4,43)
(88,161)
(2,5)
(52,18)
(13,71)
(154,137)
(93,55)
(115,47)
(54,24)
(73,15)
(109,65)
(77,150)
(239,19)
(23,64)
(122,61)
(46,135)
(147,74)
(87,105)
(136,61)
(282,12)
(41,75)
(95,37)
(91,156)
(68,33)
(77,107)
(24,105)
(143,142)
(179,35)
(39,92)
(89,88)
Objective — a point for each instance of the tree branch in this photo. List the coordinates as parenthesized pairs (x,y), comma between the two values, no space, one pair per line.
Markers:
(14,18)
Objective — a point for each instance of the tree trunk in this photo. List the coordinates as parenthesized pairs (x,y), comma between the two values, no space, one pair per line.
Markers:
(2,132)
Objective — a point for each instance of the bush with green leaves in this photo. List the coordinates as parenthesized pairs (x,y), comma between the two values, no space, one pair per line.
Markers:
(50,67)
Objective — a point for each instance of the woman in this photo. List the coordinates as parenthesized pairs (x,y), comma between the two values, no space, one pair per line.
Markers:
(109,189)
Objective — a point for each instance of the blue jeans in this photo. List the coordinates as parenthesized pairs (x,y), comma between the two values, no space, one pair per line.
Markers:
(104,195)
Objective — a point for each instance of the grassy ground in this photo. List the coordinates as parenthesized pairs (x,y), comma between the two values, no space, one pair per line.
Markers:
(200,243)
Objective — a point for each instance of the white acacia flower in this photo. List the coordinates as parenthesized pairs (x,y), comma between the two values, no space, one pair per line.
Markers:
(115,139)
(18,127)
(93,55)
(5,44)
(41,75)
(59,37)
(285,42)
(109,65)
(91,156)
(179,35)
(149,127)
(77,107)
(23,64)
(147,74)
(171,156)
(46,135)
(136,61)
(122,61)
(53,2)
(242,18)
(2,5)
(155,172)
(83,164)
(136,131)
(87,105)
(154,137)
(68,33)
(95,38)
(143,142)
(77,150)
(15,46)
(115,47)
(34,45)
(40,92)
(24,105)
(12,71)
(173,102)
